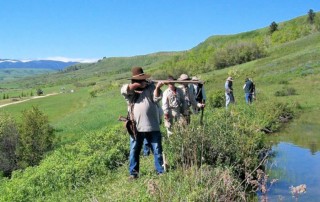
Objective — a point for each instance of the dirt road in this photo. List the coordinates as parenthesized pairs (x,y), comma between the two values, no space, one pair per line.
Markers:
(34,97)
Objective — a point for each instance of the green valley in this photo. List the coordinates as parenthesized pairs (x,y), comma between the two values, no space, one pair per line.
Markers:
(216,161)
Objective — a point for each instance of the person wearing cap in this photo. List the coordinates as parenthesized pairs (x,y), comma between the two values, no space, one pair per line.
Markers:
(173,104)
(248,90)
(229,91)
(189,96)
(143,96)
(199,93)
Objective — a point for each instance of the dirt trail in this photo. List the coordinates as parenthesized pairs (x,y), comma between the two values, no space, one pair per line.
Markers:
(34,97)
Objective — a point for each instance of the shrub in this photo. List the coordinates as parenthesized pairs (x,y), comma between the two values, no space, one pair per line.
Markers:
(93,93)
(284,82)
(237,53)
(69,168)
(39,92)
(273,27)
(36,137)
(286,91)
(216,100)
(228,137)
(311,16)
(8,144)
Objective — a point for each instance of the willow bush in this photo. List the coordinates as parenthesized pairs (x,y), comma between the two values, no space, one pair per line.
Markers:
(68,167)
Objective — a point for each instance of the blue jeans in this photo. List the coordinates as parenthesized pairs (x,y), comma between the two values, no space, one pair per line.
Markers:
(229,98)
(154,139)
(248,97)
(146,147)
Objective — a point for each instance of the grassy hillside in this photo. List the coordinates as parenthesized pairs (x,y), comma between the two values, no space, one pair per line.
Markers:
(89,163)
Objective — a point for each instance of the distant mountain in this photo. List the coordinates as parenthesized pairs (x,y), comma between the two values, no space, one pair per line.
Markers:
(34,64)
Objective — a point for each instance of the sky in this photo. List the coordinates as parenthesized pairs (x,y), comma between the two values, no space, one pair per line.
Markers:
(88,30)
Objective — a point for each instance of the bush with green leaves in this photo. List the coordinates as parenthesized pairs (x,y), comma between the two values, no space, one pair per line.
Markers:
(69,167)
(36,137)
(273,27)
(216,99)
(238,53)
(286,91)
(8,144)
(230,137)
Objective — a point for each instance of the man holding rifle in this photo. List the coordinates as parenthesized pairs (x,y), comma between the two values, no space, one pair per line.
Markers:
(142,97)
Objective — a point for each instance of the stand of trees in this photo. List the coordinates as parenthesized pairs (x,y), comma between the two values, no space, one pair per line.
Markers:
(25,144)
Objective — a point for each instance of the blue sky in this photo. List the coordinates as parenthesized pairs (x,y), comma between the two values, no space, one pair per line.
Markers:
(92,29)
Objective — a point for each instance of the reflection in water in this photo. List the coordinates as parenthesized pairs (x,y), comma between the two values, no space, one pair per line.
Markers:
(297,159)
(294,166)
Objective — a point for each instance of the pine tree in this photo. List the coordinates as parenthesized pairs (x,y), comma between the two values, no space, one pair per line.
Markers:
(273,27)
(311,16)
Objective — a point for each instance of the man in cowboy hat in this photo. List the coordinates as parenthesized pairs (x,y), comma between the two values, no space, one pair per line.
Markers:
(189,96)
(142,97)
(229,91)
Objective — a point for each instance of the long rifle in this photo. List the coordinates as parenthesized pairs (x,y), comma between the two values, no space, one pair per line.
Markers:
(176,81)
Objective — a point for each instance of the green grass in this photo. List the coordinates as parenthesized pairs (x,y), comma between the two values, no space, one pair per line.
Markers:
(75,115)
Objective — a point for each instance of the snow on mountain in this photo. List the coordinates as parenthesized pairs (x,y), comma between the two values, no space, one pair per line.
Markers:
(36,64)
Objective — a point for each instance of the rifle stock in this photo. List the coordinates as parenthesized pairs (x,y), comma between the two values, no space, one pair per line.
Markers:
(122,118)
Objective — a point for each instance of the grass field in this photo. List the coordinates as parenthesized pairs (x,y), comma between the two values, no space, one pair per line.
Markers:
(91,146)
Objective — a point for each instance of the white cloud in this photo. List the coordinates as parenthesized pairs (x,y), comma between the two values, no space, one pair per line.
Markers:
(12,61)
(64,59)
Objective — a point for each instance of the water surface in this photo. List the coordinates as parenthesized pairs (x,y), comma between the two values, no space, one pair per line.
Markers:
(296,159)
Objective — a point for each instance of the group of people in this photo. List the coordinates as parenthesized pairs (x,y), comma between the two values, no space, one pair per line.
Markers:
(248,87)
(178,103)
(143,100)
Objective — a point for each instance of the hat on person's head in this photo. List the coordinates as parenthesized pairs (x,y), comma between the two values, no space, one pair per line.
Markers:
(194,78)
(170,78)
(229,78)
(183,77)
(138,74)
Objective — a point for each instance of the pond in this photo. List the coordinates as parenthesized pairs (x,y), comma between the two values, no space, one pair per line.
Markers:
(296,160)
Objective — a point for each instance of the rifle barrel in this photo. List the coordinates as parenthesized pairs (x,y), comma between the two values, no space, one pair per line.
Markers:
(175,81)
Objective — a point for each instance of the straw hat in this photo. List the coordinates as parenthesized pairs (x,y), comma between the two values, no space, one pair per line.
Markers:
(229,78)
(183,77)
(194,78)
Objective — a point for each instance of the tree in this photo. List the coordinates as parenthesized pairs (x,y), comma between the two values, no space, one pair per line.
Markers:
(311,16)
(36,137)
(273,27)
(8,143)
(39,92)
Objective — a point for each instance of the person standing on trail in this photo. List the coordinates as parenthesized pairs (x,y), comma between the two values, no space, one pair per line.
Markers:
(142,97)
(199,92)
(173,105)
(229,91)
(248,90)
(189,97)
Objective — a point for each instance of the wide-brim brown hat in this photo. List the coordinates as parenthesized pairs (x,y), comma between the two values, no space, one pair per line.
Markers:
(183,77)
(138,74)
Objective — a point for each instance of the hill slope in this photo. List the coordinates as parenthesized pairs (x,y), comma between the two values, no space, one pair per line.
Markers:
(93,166)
